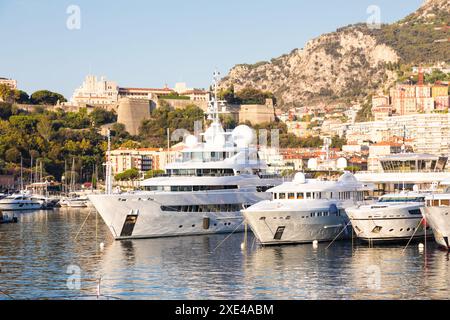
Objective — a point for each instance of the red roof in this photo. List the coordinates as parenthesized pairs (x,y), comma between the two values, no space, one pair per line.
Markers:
(388,143)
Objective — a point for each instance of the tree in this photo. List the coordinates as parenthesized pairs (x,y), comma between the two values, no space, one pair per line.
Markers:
(44,128)
(12,155)
(45,97)
(250,95)
(338,142)
(128,175)
(20,96)
(5,110)
(153,173)
(6,94)
(118,130)
(101,116)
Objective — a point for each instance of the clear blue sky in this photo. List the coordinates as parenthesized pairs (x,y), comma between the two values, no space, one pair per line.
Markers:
(150,43)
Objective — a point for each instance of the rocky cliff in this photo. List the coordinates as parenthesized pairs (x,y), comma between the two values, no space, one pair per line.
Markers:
(349,63)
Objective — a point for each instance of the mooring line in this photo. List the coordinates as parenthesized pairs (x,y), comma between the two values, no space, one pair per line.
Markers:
(343,229)
(6,294)
(83,225)
(228,236)
(410,239)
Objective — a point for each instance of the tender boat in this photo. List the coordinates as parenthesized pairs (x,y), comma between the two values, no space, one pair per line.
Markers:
(306,210)
(393,217)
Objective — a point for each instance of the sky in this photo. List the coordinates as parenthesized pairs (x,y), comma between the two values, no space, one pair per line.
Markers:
(151,43)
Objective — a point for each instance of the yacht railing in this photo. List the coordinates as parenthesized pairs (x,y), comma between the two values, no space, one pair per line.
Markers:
(402,171)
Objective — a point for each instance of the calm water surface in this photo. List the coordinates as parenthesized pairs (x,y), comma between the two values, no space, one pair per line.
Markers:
(39,254)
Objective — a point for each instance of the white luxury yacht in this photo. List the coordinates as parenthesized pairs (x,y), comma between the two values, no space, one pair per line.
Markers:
(202,193)
(306,210)
(436,213)
(393,217)
(20,202)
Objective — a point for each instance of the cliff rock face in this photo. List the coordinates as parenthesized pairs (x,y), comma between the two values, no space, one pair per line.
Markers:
(430,8)
(347,64)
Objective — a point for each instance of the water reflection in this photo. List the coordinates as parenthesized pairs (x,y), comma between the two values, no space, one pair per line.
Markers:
(36,252)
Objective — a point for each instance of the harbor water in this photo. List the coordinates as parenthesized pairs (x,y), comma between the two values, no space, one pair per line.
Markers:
(66,253)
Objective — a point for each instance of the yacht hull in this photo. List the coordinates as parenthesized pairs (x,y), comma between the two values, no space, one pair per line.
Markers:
(141,215)
(298,227)
(387,224)
(439,219)
(20,206)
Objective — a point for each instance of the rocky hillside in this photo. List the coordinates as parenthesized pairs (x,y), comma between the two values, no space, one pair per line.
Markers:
(349,63)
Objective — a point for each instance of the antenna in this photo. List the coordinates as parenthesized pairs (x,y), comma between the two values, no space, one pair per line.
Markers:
(213,107)
(404,139)
(108,182)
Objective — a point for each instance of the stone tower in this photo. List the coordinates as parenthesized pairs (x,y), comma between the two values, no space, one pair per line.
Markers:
(131,112)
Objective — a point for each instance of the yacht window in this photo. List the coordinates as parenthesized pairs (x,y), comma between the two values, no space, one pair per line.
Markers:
(234,207)
(282,195)
(275,196)
(435,203)
(299,195)
(415,212)
(308,195)
(291,195)
(445,202)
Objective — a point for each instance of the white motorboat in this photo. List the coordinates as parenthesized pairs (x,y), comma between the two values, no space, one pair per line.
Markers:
(393,217)
(20,202)
(306,210)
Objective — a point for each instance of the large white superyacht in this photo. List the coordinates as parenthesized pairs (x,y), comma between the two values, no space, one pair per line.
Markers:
(306,210)
(393,217)
(202,193)
(437,215)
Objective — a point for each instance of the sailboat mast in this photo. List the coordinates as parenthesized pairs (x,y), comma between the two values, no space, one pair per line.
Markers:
(21,173)
(108,180)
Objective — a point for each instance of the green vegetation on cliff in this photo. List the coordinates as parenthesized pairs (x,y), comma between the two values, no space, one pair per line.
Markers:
(51,138)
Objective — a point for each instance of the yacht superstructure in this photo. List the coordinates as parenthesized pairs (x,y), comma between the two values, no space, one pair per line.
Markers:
(306,210)
(393,217)
(202,193)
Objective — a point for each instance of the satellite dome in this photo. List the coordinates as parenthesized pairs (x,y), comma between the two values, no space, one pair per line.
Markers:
(191,141)
(347,178)
(299,177)
(243,136)
(214,135)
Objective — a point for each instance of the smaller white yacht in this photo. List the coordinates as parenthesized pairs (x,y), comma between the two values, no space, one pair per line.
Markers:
(74,201)
(437,215)
(306,210)
(393,217)
(81,202)
(20,202)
